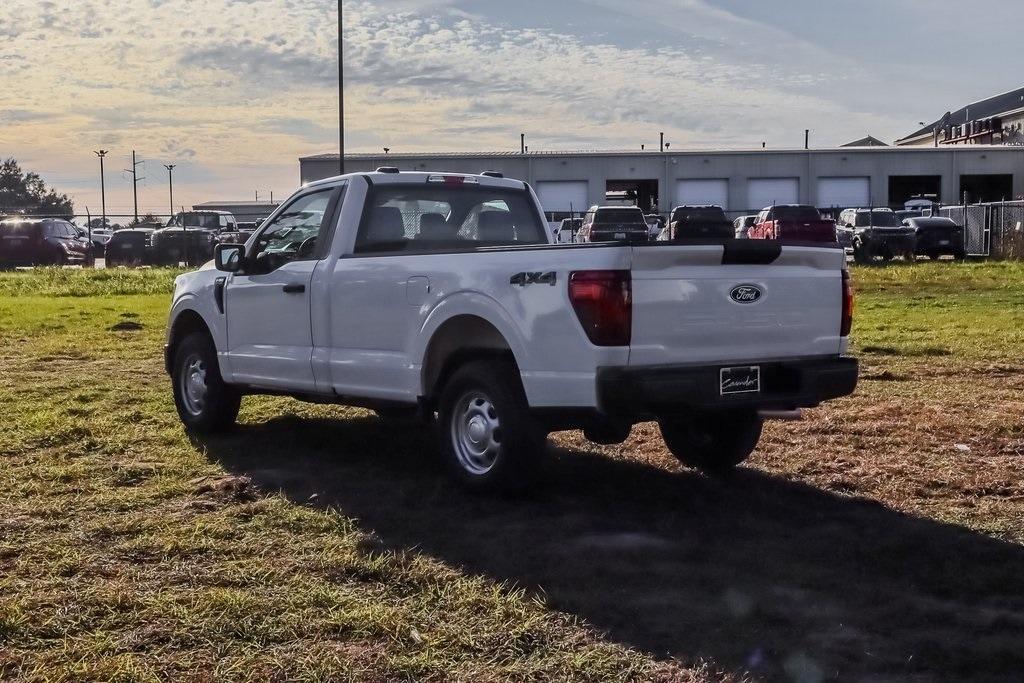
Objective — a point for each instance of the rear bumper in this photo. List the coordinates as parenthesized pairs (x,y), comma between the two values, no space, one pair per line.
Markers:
(953,244)
(894,243)
(645,391)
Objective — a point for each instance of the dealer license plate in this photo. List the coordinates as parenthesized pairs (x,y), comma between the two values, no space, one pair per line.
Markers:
(740,380)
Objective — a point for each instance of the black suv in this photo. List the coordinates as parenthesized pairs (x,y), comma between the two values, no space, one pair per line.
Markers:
(938,237)
(698,222)
(43,241)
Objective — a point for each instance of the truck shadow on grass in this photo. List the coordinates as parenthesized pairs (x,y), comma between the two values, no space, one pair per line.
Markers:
(756,573)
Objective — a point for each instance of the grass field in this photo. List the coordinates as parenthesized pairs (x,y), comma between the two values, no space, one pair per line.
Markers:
(881,538)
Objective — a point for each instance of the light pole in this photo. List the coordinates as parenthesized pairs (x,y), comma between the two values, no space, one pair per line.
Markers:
(341,93)
(103,190)
(170,183)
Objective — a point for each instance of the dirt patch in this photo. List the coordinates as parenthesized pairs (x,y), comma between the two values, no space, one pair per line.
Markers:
(127,326)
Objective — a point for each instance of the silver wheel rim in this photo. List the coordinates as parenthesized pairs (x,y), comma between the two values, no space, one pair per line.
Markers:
(476,433)
(192,381)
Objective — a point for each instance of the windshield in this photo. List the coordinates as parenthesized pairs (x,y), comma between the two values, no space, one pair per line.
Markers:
(702,214)
(879,219)
(797,214)
(619,217)
(207,221)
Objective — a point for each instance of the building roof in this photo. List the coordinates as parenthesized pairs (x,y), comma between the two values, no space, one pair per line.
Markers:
(267,204)
(982,109)
(869,141)
(383,159)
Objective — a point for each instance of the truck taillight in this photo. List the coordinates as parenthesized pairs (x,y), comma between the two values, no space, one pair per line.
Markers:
(603,301)
(847,323)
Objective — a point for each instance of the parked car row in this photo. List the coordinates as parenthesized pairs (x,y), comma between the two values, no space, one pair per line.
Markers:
(870,234)
(189,236)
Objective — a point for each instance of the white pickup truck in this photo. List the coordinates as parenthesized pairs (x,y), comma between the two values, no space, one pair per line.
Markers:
(441,295)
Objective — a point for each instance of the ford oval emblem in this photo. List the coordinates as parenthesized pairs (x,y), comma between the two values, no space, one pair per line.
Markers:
(746,294)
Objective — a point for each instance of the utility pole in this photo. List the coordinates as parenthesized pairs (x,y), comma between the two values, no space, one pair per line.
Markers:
(170,184)
(522,143)
(135,183)
(341,92)
(662,142)
(807,138)
(103,188)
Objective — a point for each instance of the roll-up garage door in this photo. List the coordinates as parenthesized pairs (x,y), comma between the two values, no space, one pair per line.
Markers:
(703,191)
(844,193)
(563,196)
(764,192)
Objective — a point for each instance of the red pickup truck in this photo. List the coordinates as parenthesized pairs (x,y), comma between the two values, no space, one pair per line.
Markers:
(792,222)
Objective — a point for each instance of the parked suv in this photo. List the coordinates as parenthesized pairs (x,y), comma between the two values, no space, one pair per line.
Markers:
(697,222)
(201,230)
(613,224)
(42,241)
(793,222)
(937,237)
(129,247)
(876,233)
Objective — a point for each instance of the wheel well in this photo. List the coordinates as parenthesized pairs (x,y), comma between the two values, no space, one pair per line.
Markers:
(457,341)
(187,322)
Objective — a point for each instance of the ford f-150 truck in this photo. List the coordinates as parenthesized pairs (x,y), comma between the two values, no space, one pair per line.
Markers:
(442,296)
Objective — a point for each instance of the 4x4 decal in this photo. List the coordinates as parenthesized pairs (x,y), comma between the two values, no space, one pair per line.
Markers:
(524,279)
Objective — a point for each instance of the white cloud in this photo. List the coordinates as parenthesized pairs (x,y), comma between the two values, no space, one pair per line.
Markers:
(236,91)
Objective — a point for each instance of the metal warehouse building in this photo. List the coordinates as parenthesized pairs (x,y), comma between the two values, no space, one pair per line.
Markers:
(739,181)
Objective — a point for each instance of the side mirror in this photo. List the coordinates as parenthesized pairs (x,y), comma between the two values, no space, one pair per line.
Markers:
(229,257)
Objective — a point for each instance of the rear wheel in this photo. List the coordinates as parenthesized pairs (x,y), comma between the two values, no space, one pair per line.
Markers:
(489,440)
(713,443)
(205,403)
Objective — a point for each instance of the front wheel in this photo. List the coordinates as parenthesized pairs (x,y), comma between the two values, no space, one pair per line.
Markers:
(489,440)
(713,443)
(205,403)
(861,254)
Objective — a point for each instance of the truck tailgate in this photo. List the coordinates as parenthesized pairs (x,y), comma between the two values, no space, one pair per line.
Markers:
(746,301)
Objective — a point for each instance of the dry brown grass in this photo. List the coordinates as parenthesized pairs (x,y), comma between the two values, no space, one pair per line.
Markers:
(878,539)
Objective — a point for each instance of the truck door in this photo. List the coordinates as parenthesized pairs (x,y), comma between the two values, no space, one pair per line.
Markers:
(270,340)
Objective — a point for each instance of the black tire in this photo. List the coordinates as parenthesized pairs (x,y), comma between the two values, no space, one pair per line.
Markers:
(861,254)
(713,443)
(213,407)
(934,255)
(488,439)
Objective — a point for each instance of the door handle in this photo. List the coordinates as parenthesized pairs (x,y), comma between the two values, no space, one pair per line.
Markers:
(294,288)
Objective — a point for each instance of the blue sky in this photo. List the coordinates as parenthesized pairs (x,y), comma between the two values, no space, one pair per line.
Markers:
(233,91)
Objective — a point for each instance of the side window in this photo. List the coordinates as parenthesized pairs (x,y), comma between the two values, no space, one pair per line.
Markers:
(293,234)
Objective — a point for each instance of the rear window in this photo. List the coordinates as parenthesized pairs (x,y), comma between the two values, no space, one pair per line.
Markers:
(880,219)
(425,217)
(702,214)
(197,220)
(799,214)
(619,217)
(18,229)
(935,223)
